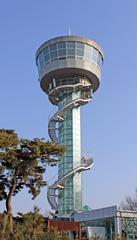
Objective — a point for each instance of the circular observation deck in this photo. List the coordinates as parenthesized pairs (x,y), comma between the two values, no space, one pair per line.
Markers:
(68,57)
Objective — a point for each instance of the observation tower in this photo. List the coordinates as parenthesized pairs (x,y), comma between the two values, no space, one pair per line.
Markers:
(69,70)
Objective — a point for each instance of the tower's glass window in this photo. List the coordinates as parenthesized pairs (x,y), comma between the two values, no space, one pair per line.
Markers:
(53,47)
(47,57)
(61,45)
(62,52)
(88,48)
(46,54)
(45,50)
(80,45)
(80,52)
(68,49)
(70,44)
(71,52)
(95,52)
(53,55)
(88,52)
(71,49)
(41,59)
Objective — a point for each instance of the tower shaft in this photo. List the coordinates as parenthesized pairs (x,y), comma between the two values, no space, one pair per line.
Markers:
(70,197)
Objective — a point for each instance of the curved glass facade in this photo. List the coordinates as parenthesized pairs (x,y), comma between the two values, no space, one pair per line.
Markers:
(68,49)
(70,197)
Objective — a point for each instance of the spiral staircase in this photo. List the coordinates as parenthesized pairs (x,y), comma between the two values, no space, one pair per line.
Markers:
(59,184)
(83,98)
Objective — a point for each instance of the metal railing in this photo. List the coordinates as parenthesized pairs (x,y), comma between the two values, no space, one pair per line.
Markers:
(81,98)
(59,184)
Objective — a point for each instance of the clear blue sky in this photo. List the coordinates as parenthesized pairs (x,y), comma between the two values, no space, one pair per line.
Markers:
(109,122)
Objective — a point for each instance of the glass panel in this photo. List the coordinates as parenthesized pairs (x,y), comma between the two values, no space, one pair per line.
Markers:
(88,48)
(53,47)
(87,55)
(62,52)
(95,52)
(45,51)
(94,58)
(61,45)
(79,52)
(80,45)
(47,57)
(53,55)
(41,59)
(70,44)
(70,52)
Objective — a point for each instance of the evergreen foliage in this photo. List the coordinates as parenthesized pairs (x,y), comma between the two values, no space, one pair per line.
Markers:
(32,226)
(23,163)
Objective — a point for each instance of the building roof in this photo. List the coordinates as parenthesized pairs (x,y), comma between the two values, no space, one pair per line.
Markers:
(103,213)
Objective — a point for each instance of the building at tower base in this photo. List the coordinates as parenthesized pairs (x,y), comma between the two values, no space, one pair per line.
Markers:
(108,223)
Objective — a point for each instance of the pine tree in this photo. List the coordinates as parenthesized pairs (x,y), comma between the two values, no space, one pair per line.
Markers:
(23,163)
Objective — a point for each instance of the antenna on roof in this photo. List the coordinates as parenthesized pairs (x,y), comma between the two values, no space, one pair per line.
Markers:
(69,32)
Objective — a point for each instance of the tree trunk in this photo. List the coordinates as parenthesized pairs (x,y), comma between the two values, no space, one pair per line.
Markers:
(9,219)
(4,224)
